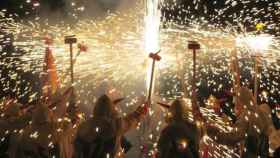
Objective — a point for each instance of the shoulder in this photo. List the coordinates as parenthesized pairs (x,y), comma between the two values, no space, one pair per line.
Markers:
(84,127)
(168,129)
(172,130)
(95,128)
(192,126)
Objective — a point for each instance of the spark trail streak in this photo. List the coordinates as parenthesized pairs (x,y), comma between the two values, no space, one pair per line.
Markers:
(152,33)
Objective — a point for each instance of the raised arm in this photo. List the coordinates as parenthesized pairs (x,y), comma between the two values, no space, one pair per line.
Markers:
(60,104)
(231,138)
(235,71)
(131,120)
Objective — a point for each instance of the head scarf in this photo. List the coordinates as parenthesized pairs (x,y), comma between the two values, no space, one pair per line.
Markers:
(177,110)
(104,108)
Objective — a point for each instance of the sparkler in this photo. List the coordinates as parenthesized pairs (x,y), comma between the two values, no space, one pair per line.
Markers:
(152,31)
(257,44)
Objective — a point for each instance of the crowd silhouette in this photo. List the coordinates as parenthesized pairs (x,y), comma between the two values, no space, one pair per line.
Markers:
(53,126)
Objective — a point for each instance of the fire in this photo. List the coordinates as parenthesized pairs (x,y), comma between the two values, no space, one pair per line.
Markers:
(152,33)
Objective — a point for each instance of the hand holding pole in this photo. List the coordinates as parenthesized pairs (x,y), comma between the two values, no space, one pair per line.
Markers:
(155,57)
(193,45)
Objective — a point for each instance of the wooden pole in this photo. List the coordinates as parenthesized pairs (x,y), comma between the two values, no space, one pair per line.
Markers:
(235,71)
(146,123)
(195,109)
(151,83)
(71,63)
(256,79)
(71,40)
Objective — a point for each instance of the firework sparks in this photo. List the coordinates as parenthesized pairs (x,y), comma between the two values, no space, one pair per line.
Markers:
(117,55)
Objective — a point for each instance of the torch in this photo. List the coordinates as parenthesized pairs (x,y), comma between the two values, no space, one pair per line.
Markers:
(71,40)
(72,108)
(258,44)
(194,46)
(82,48)
(155,57)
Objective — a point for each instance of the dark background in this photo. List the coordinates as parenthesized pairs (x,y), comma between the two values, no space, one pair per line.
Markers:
(217,13)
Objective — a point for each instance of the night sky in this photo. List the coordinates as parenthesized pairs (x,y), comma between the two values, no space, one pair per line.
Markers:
(218,13)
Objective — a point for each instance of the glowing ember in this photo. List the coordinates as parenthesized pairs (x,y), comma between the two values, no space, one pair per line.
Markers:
(258,43)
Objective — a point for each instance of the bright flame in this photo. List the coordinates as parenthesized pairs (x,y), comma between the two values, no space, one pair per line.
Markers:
(152,26)
(152,30)
(257,43)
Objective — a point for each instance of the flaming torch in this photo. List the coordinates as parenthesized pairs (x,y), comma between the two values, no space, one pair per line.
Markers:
(257,44)
(151,43)
(152,29)
(155,58)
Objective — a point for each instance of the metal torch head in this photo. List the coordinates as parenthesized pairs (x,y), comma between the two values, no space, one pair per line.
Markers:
(155,56)
(193,45)
(70,39)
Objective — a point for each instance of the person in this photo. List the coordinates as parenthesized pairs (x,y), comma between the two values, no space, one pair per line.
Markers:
(12,121)
(45,136)
(209,147)
(180,139)
(215,104)
(248,129)
(102,135)
(274,134)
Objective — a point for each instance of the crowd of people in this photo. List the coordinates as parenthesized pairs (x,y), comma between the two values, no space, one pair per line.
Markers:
(45,130)
(53,126)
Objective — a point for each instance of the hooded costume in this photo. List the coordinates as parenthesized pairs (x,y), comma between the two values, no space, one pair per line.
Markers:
(101,135)
(274,134)
(10,124)
(43,137)
(249,127)
(180,139)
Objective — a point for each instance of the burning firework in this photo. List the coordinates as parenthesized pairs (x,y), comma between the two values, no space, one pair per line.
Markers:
(118,48)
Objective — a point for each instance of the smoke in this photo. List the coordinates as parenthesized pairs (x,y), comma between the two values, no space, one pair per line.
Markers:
(96,8)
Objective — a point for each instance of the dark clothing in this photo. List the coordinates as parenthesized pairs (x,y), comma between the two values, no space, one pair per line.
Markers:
(43,138)
(248,127)
(251,128)
(102,135)
(276,153)
(4,146)
(179,140)
(98,137)
(43,141)
(8,129)
(100,140)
